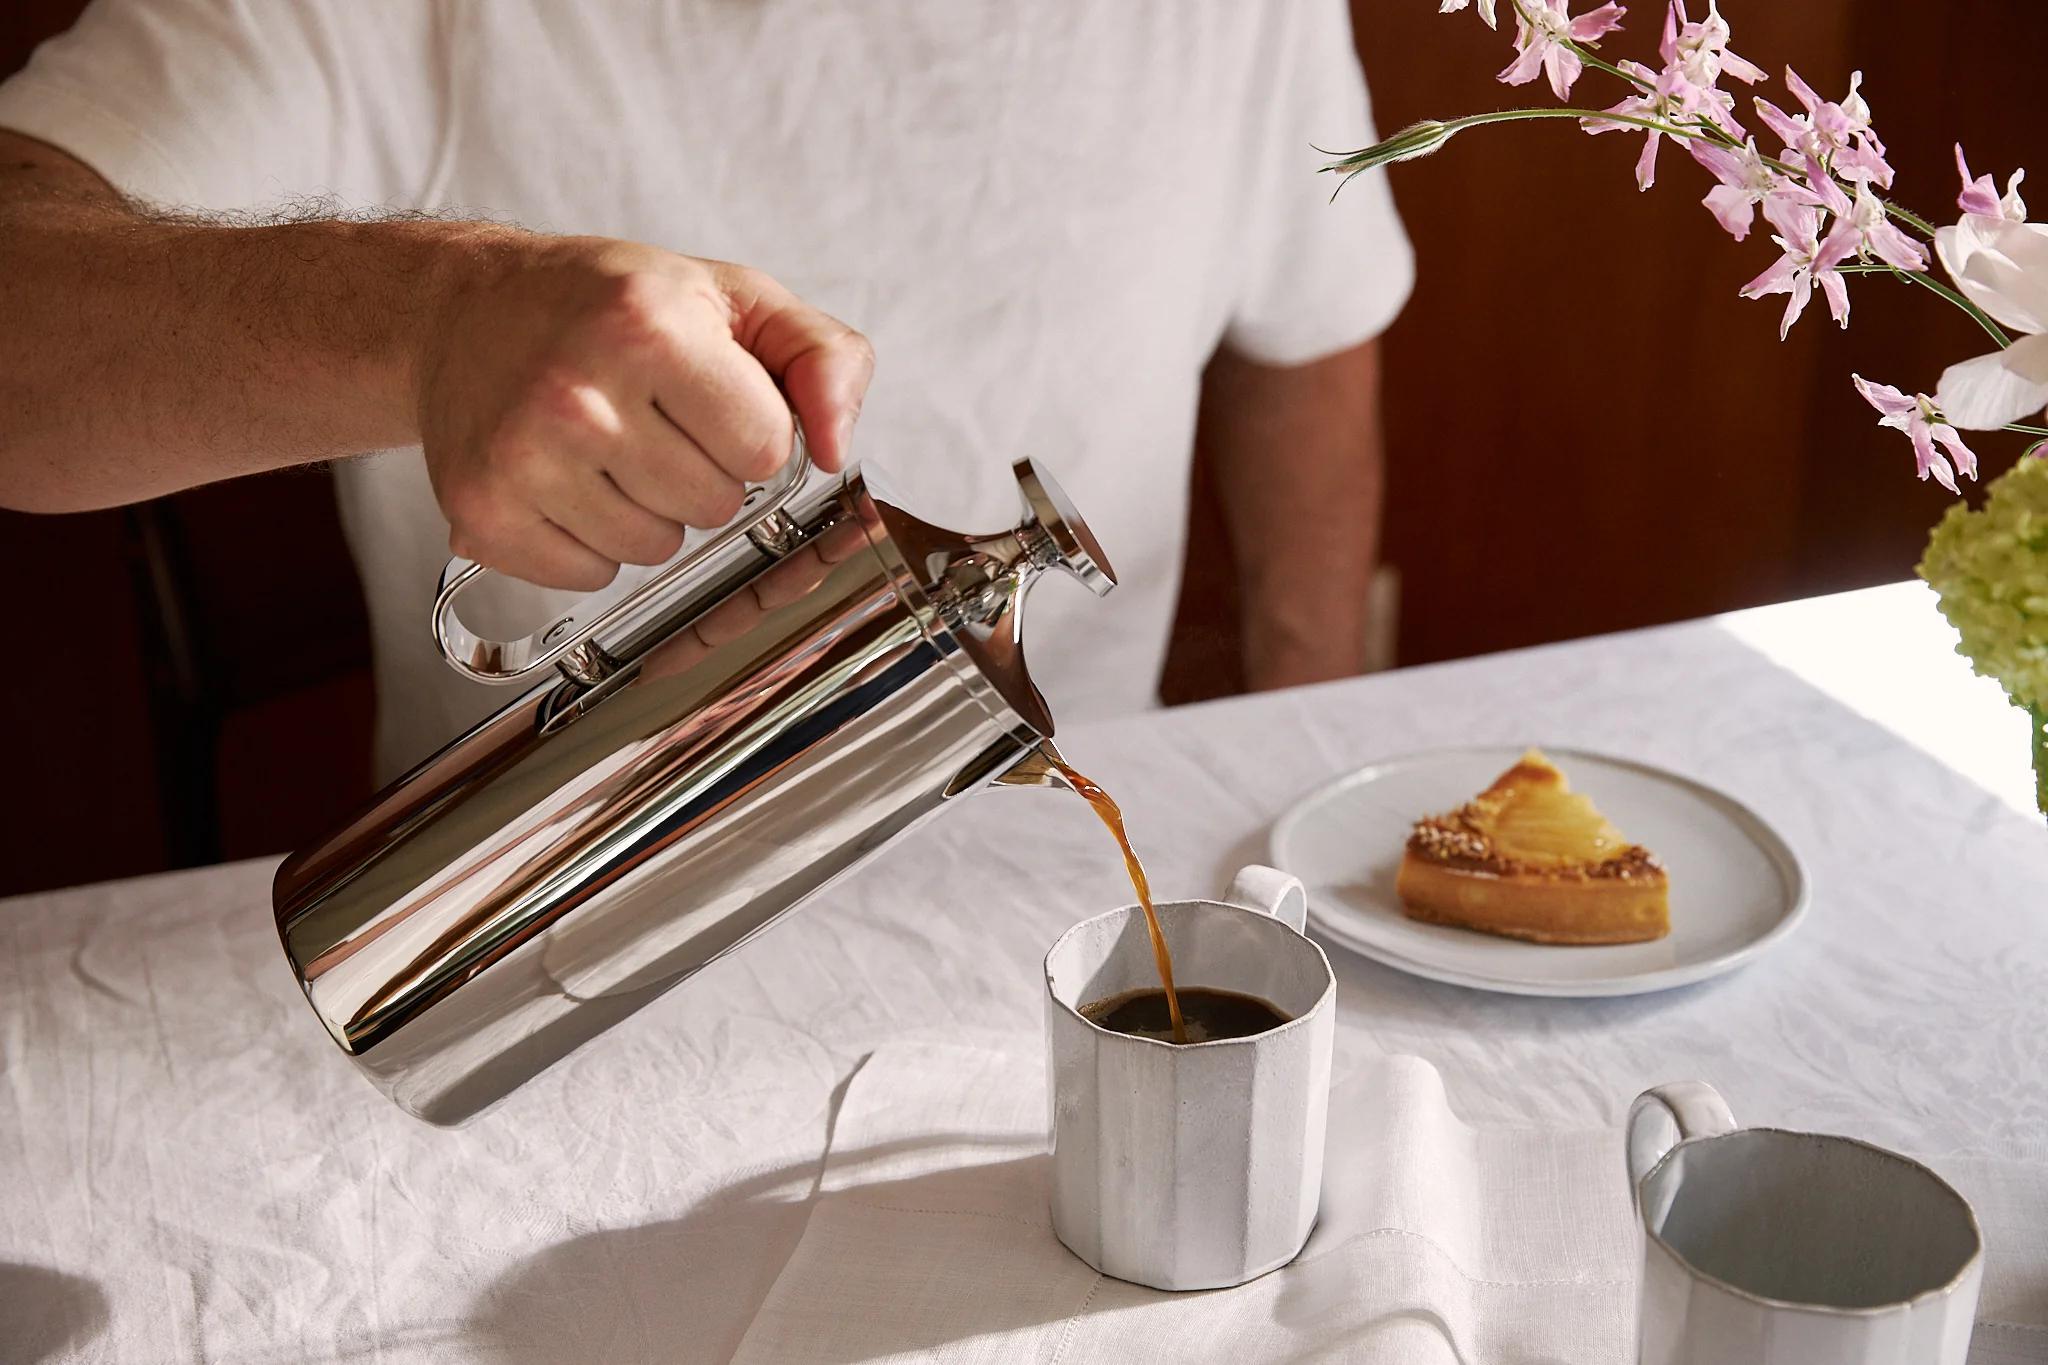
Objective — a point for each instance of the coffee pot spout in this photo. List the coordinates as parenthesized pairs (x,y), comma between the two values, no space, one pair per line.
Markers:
(1038,766)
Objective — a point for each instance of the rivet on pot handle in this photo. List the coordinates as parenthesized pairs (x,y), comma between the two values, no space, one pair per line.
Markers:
(504,661)
(1270,891)
(1694,1106)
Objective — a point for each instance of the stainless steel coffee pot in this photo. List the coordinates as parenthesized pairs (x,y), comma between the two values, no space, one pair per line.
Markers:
(705,750)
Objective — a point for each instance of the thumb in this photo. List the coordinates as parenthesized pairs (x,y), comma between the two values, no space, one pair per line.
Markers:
(822,364)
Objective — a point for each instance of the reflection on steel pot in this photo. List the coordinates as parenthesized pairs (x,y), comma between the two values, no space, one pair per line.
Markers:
(707,749)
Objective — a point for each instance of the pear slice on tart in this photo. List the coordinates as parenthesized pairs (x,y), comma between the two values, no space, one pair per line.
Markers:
(1529,858)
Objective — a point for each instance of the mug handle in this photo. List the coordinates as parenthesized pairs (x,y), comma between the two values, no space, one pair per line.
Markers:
(1270,891)
(1694,1106)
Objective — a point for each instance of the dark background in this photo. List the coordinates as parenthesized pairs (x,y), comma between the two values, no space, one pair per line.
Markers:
(1587,431)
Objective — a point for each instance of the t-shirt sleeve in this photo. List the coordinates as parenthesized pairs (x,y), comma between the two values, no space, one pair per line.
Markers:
(1321,276)
(213,104)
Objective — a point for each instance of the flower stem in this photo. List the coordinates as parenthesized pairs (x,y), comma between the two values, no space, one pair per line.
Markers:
(1908,217)
(1422,139)
(1925,281)
(1585,55)
(1509,115)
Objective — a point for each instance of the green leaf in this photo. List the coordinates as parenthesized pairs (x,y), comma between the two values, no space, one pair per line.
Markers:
(2040,715)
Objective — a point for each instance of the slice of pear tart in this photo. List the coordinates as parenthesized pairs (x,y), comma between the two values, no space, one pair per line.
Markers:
(1530,858)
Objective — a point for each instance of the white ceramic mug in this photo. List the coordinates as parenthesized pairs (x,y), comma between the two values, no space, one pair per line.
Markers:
(1767,1247)
(1200,1165)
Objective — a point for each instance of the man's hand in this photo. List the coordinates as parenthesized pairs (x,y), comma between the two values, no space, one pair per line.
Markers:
(583,400)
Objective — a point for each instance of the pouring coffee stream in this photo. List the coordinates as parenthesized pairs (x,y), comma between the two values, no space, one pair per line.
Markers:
(1112,815)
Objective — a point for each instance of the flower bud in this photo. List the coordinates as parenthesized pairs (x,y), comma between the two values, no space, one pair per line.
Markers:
(1417,139)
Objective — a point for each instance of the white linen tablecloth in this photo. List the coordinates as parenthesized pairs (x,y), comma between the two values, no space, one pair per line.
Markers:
(190,1172)
(1436,1242)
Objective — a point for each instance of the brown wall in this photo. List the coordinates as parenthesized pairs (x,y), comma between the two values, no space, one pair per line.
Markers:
(1593,429)
(1588,431)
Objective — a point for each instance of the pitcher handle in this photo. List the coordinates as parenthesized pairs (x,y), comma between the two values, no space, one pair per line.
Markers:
(1270,891)
(1694,1107)
(482,659)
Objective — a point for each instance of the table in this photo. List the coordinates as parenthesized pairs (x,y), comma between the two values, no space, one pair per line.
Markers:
(189,1171)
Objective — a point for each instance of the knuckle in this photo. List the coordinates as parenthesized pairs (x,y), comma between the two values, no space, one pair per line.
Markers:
(634,307)
(562,398)
(471,512)
(718,506)
(519,464)
(747,282)
(858,345)
(762,458)
(760,443)
(493,552)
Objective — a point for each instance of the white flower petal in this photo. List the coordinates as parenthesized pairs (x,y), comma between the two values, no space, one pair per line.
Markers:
(2000,266)
(1955,247)
(1991,390)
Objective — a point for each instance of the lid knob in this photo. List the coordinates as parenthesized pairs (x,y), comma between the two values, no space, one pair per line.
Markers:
(973,586)
(1067,541)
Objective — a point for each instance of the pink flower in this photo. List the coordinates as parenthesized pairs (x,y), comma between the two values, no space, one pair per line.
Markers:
(1543,34)
(1700,51)
(1485,9)
(1665,101)
(1835,137)
(1747,180)
(1684,93)
(1921,421)
(1980,196)
(1796,271)
(1862,228)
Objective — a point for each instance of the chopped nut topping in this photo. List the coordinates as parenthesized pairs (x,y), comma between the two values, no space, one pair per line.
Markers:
(1454,839)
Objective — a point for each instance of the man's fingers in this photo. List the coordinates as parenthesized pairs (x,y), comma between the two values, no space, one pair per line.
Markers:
(718,396)
(822,364)
(585,502)
(826,385)
(659,467)
(535,551)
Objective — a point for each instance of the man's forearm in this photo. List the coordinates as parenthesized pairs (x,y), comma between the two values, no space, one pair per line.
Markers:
(579,401)
(1299,467)
(141,354)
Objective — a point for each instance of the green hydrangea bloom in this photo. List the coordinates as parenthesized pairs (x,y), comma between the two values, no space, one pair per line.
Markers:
(1990,568)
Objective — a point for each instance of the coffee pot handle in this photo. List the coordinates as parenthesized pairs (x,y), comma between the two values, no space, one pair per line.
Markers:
(483,659)
(1270,891)
(1694,1108)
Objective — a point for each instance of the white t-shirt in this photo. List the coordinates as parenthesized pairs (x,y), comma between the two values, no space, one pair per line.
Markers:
(1045,215)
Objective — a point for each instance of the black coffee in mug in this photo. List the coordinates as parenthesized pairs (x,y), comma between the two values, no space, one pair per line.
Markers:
(1210,1014)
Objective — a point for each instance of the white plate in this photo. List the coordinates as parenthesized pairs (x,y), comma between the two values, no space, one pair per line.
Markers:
(1736,887)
